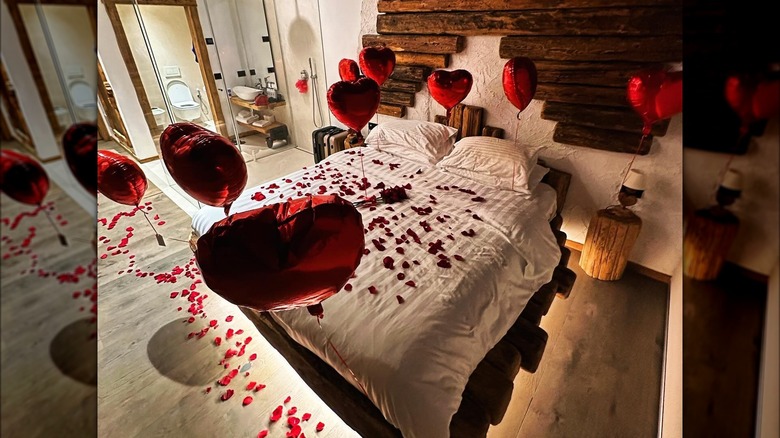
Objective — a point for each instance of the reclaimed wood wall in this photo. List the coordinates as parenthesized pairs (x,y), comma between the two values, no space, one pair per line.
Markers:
(584,50)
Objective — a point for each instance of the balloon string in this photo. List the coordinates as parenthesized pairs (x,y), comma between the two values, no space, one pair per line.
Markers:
(364,180)
(61,236)
(146,216)
(633,158)
(344,362)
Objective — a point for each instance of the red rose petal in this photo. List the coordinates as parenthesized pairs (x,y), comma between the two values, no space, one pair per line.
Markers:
(306,417)
(250,386)
(208,390)
(229,318)
(347,287)
(443,263)
(213,323)
(388,262)
(229,334)
(257,196)
(372,290)
(295,432)
(292,411)
(400,299)
(262,433)
(405,265)
(259,387)
(227,394)
(411,283)
(458,257)
(320,426)
(253,356)
(277,414)
(247,400)
(287,400)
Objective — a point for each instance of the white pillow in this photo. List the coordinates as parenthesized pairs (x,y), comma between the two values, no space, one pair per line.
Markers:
(417,140)
(495,162)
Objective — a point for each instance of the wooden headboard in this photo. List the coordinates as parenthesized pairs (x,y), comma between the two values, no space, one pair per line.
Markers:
(468,120)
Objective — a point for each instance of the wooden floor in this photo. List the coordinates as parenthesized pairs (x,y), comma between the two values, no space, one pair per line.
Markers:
(723,322)
(601,374)
(48,346)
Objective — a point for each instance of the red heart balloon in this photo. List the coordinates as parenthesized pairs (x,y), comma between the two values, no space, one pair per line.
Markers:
(519,81)
(119,178)
(349,71)
(206,165)
(22,178)
(655,94)
(79,143)
(752,98)
(285,255)
(449,88)
(354,103)
(377,63)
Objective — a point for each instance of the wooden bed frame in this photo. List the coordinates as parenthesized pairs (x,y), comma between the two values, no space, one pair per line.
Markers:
(489,389)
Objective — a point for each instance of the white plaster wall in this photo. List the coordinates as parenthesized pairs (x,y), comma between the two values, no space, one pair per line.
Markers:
(596,174)
(672,397)
(298,24)
(340,39)
(124,92)
(756,245)
(46,145)
(42,55)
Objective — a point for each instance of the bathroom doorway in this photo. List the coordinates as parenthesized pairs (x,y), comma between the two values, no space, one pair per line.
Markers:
(60,55)
(165,53)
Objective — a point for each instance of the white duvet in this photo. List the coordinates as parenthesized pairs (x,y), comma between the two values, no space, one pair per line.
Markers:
(415,358)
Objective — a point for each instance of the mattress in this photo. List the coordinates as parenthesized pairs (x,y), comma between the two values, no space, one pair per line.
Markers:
(413,340)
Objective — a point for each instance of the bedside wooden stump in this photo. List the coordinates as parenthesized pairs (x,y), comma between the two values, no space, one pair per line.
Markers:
(707,241)
(611,236)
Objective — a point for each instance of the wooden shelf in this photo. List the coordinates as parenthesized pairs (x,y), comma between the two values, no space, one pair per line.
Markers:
(246,104)
(264,130)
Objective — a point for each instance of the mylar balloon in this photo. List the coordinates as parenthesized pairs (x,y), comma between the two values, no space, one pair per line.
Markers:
(655,94)
(283,256)
(206,165)
(354,103)
(119,178)
(752,99)
(79,143)
(519,81)
(348,70)
(449,88)
(377,63)
(22,178)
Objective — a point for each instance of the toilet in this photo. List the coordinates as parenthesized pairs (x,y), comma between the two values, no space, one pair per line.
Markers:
(63,116)
(84,100)
(184,106)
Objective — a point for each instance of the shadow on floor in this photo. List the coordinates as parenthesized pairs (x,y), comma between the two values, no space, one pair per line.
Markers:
(74,351)
(171,353)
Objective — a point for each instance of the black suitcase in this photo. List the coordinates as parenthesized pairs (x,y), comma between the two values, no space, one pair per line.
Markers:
(316,143)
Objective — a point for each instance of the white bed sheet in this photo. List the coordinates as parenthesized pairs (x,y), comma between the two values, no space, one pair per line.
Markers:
(415,358)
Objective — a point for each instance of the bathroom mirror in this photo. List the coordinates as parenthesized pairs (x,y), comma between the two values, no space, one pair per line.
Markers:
(61,56)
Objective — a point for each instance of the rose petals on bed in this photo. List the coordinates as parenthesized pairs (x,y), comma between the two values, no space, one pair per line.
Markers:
(478,199)
(444,263)
(295,432)
(411,283)
(306,417)
(401,276)
(292,411)
(277,414)
(458,257)
(372,290)
(405,265)
(229,334)
(475,216)
(320,426)
(259,387)
(253,356)
(348,287)
(400,299)
(413,235)
(287,400)
(469,233)
(377,244)
(229,318)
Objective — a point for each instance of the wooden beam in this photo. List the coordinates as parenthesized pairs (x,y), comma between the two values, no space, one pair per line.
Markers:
(505,358)
(619,119)
(410,73)
(392,110)
(193,3)
(132,68)
(645,49)
(202,54)
(583,94)
(530,340)
(471,122)
(491,131)
(396,98)
(389,6)
(405,86)
(603,139)
(422,59)
(603,74)
(471,420)
(603,21)
(440,44)
(490,388)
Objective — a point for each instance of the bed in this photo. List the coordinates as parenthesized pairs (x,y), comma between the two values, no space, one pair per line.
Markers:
(440,360)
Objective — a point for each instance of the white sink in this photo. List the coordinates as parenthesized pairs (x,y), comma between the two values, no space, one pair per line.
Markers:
(246,93)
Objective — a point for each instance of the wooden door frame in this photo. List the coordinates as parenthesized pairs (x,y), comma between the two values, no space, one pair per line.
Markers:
(29,53)
(117,124)
(201,51)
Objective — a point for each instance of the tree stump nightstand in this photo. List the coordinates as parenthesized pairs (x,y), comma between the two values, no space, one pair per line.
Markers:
(611,236)
(707,241)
